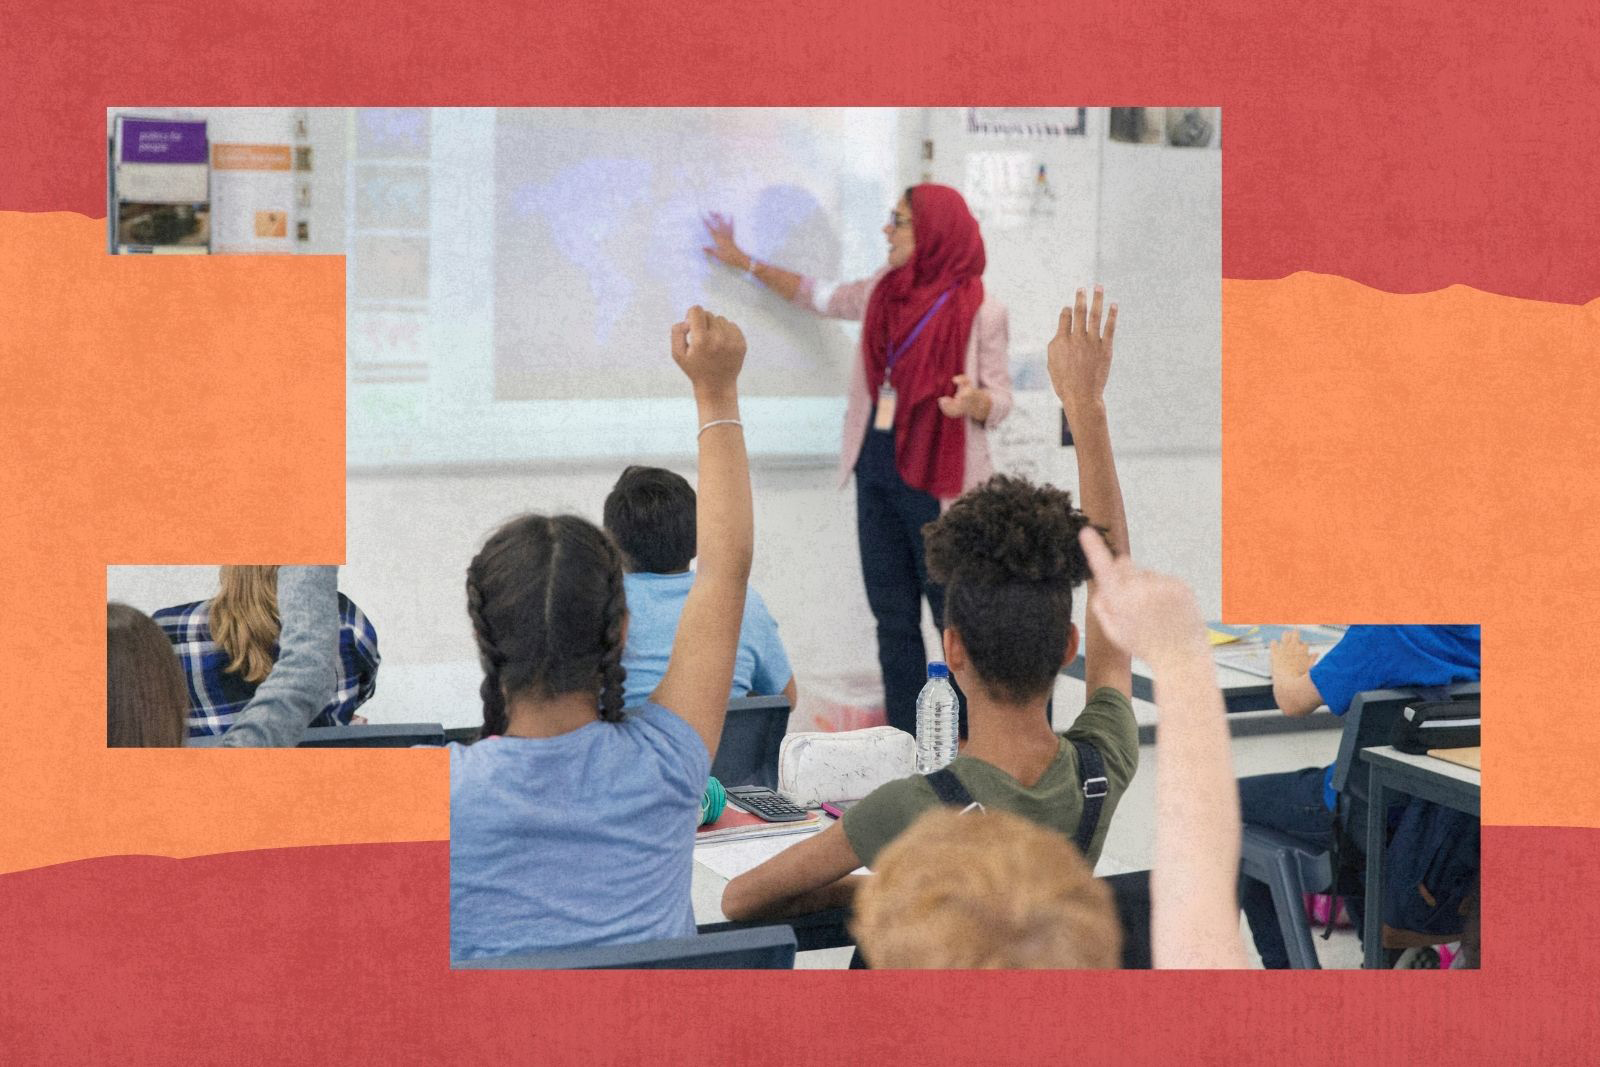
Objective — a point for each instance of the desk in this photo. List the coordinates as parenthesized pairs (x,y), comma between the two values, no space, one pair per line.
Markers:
(1393,771)
(1246,698)
(1241,690)
(819,930)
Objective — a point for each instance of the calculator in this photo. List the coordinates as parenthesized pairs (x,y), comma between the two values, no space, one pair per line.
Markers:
(767,804)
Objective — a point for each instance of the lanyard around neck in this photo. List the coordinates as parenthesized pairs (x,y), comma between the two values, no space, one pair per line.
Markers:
(896,351)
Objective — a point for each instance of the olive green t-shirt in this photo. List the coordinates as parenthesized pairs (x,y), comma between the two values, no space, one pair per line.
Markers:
(1055,800)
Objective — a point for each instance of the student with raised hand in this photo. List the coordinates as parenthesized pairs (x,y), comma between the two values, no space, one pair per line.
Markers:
(1009,556)
(146,698)
(228,643)
(572,822)
(983,890)
(1194,918)
(306,673)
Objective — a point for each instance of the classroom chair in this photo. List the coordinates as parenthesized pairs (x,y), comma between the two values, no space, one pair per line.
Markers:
(374,735)
(1131,892)
(1289,867)
(768,948)
(751,733)
(829,928)
(383,735)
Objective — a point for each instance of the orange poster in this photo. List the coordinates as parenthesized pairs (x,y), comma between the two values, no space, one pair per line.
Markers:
(250,157)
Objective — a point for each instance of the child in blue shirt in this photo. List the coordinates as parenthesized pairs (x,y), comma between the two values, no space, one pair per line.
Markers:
(1303,803)
(572,823)
(650,515)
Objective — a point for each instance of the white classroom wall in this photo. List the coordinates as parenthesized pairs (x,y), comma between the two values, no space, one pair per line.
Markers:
(1155,244)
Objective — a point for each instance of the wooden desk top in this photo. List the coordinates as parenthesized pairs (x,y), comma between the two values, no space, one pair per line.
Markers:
(1466,757)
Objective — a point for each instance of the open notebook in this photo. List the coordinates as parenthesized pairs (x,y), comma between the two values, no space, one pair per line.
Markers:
(737,825)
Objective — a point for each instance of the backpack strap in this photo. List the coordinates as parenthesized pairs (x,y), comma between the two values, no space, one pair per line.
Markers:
(1092,772)
(948,788)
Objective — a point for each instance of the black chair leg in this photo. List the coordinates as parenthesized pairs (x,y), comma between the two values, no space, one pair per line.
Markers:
(1288,898)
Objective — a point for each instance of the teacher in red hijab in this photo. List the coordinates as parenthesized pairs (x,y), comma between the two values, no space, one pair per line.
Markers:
(932,380)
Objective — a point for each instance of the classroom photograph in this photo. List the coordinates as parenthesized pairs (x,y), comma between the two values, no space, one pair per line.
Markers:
(803,529)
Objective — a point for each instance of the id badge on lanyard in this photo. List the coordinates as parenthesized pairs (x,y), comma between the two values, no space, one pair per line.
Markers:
(884,420)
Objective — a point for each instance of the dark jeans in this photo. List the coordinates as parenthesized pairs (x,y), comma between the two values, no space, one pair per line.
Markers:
(890,516)
(1290,803)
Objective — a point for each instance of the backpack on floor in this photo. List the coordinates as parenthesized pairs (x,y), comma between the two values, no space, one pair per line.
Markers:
(1430,869)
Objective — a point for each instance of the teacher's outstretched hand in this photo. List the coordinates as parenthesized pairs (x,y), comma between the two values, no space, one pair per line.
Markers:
(723,247)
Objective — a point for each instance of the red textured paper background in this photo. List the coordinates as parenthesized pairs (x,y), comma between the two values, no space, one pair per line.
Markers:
(1406,145)
(1403,146)
(334,955)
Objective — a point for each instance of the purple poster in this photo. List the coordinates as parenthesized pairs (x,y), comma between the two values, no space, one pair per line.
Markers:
(160,141)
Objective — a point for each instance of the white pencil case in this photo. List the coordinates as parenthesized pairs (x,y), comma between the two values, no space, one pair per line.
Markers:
(814,767)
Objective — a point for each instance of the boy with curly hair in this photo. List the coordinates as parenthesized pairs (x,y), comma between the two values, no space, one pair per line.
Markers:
(1009,557)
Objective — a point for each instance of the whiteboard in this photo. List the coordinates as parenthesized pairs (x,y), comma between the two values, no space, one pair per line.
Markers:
(535,294)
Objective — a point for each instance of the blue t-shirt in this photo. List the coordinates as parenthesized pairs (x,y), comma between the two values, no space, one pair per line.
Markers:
(1381,657)
(577,840)
(655,601)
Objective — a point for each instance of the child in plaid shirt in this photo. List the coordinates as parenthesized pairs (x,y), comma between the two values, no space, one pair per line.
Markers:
(227,645)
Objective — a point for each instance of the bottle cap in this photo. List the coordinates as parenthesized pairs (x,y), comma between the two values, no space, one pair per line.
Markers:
(937,669)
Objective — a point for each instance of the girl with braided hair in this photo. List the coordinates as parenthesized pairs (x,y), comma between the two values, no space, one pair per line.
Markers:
(572,823)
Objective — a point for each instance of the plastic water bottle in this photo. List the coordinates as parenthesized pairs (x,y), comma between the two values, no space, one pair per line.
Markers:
(938,720)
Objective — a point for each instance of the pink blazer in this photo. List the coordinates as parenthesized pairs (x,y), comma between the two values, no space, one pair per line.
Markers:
(988,365)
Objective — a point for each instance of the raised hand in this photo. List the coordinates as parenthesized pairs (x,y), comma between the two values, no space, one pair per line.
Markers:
(709,348)
(722,246)
(1290,656)
(968,403)
(1079,356)
(1151,616)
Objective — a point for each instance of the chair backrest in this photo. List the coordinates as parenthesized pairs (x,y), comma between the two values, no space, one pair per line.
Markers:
(1369,722)
(385,735)
(751,734)
(1131,892)
(770,948)
(375,735)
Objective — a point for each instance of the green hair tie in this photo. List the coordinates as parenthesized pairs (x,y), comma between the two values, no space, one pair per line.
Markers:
(712,801)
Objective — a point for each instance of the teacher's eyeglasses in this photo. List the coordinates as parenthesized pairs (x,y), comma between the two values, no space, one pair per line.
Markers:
(897,220)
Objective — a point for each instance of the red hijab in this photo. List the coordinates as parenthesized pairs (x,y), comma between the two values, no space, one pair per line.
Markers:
(929,447)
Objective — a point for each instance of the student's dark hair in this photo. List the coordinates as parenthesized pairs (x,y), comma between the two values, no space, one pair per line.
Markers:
(1008,556)
(650,514)
(147,700)
(547,607)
